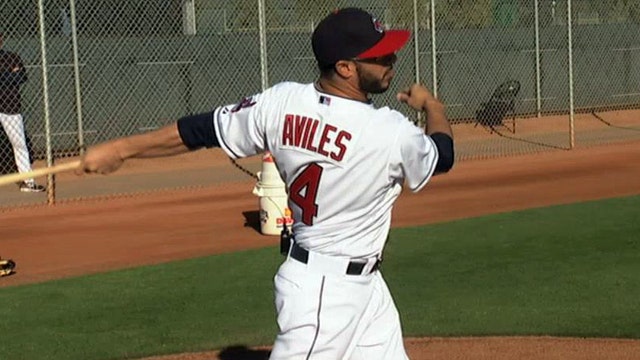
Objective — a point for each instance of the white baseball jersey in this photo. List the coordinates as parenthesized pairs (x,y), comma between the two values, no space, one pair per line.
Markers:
(343,161)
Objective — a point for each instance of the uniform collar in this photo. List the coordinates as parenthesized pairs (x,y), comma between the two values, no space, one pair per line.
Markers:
(318,87)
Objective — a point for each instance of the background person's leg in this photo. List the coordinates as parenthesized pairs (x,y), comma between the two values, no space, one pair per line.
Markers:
(14,128)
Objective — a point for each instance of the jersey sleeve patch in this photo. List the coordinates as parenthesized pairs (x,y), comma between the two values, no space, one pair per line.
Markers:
(240,127)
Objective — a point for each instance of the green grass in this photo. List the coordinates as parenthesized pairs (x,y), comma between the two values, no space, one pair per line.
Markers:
(566,270)
(569,270)
(196,304)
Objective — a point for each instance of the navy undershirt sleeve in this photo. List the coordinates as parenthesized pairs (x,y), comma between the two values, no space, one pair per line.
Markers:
(444,143)
(197,131)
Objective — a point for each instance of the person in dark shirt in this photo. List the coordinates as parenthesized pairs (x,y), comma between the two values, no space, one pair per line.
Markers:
(12,76)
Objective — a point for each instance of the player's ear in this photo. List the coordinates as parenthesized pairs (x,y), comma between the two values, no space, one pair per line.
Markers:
(345,68)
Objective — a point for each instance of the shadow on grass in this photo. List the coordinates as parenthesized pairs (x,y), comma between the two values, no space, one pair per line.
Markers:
(241,352)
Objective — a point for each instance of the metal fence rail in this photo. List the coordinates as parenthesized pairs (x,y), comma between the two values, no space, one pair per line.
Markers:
(103,69)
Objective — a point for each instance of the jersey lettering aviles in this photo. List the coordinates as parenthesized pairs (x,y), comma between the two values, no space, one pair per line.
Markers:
(344,161)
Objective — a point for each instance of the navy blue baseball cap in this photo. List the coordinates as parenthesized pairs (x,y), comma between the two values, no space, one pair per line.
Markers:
(353,33)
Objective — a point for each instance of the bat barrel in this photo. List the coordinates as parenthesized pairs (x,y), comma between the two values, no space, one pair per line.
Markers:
(17,177)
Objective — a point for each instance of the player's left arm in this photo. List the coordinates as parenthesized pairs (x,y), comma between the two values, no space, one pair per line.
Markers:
(437,125)
(446,156)
(423,156)
(438,128)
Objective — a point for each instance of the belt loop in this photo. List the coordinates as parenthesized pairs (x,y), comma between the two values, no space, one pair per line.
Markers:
(369,266)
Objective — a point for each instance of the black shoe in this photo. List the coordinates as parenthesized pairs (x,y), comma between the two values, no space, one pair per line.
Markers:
(31,187)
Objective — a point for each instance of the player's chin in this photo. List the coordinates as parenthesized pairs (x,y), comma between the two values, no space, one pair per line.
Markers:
(386,81)
(389,76)
(379,89)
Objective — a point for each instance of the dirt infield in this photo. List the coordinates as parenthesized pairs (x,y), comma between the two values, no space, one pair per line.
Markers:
(77,238)
(481,348)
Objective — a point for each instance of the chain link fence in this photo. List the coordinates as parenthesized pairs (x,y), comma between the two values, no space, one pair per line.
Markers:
(517,76)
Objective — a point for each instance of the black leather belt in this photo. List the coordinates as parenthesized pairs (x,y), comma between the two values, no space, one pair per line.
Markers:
(354,268)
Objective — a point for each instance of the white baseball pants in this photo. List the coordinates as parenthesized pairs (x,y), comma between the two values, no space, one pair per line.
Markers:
(14,128)
(325,314)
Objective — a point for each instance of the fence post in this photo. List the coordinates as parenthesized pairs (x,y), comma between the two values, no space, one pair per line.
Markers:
(416,51)
(45,94)
(434,48)
(572,133)
(262,29)
(76,71)
(537,30)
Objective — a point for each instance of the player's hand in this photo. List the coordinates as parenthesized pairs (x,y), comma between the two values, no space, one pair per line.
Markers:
(418,97)
(104,158)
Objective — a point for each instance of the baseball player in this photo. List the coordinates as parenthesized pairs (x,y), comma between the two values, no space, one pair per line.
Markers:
(12,76)
(344,162)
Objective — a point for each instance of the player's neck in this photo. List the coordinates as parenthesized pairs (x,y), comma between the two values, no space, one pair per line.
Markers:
(342,89)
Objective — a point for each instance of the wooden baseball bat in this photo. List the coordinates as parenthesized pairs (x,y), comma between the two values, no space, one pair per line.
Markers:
(17,177)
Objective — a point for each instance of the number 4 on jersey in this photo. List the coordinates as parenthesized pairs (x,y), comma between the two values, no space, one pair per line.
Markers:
(303,192)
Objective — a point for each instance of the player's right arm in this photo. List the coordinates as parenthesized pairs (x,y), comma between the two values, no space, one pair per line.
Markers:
(107,157)
(234,127)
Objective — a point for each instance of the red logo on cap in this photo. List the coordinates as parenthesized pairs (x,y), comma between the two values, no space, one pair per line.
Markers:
(378,25)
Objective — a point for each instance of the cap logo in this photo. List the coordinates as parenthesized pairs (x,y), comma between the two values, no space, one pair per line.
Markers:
(378,25)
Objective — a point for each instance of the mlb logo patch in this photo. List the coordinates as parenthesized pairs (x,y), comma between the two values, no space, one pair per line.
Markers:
(325,100)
